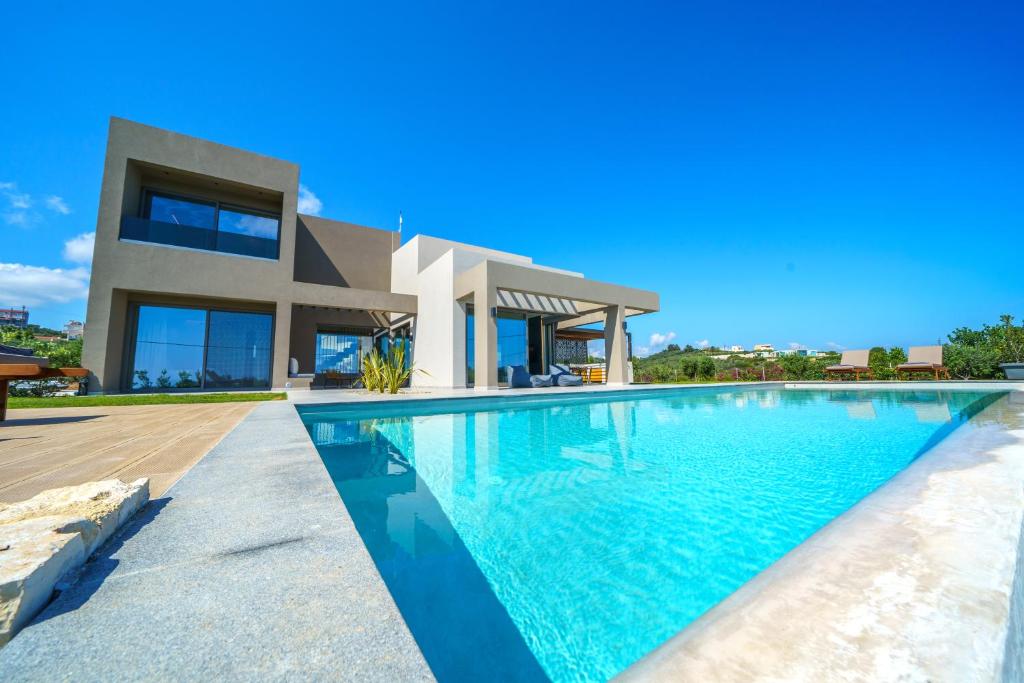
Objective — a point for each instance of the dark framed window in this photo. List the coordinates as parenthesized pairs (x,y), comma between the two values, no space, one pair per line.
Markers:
(512,344)
(189,349)
(199,223)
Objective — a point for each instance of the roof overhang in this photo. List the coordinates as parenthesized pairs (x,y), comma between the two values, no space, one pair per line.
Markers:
(552,292)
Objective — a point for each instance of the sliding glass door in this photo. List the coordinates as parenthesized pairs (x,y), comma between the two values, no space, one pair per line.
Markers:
(194,348)
(512,344)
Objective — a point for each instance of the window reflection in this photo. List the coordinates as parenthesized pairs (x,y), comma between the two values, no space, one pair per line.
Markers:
(182,212)
(242,223)
(238,350)
(341,352)
(512,344)
(193,348)
(168,348)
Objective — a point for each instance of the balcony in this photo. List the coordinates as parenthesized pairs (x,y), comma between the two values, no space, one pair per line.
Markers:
(207,239)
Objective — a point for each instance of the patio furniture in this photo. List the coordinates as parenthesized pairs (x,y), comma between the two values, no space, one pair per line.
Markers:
(299,380)
(595,375)
(852,363)
(924,359)
(341,380)
(538,381)
(563,377)
(518,377)
(20,364)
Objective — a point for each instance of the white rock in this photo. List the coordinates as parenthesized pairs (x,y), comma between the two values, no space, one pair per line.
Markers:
(52,534)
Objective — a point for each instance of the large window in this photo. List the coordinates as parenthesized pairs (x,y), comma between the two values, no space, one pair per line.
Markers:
(195,348)
(341,351)
(512,344)
(238,350)
(202,224)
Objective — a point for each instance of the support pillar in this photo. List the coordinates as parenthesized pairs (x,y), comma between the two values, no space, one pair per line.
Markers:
(615,351)
(485,331)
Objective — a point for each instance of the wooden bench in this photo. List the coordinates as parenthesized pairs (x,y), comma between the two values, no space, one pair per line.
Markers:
(26,369)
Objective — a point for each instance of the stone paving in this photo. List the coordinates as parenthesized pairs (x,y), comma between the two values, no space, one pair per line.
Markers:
(249,568)
(50,447)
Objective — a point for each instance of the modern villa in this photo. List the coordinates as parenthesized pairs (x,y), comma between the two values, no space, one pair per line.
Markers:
(205,276)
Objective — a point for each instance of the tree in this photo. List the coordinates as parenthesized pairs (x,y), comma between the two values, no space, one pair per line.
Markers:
(1008,340)
(689,349)
(672,347)
(970,362)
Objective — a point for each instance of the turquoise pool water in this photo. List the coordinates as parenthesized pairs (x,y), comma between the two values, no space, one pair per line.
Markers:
(565,538)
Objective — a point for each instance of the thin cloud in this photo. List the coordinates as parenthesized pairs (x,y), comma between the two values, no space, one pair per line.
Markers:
(78,249)
(796,346)
(835,347)
(37,285)
(309,203)
(55,203)
(702,344)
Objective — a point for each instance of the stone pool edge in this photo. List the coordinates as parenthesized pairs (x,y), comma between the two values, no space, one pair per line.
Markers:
(920,580)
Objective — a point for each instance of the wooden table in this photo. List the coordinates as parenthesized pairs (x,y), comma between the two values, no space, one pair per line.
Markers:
(29,371)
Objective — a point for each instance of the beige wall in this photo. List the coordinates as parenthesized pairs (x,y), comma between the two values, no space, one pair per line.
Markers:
(343,254)
(140,156)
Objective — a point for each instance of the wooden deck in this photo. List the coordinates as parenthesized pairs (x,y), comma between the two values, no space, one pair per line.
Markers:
(50,447)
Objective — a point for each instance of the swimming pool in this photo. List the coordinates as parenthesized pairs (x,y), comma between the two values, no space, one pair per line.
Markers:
(566,536)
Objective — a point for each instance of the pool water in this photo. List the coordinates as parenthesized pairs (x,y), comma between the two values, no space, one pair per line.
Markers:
(565,537)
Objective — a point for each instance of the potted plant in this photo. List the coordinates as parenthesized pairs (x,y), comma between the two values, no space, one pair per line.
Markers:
(1009,342)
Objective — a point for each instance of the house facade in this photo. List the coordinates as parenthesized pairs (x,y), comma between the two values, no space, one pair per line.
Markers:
(206,277)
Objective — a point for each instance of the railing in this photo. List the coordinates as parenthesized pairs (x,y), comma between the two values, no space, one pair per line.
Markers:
(207,239)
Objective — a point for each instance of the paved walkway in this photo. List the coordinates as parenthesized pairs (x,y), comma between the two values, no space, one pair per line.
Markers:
(48,447)
(250,568)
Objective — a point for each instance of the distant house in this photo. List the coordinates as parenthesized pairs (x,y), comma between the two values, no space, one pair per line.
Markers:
(736,348)
(18,317)
(764,347)
(74,329)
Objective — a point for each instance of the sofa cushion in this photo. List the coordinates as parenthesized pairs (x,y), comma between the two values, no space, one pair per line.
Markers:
(538,381)
(570,380)
(518,377)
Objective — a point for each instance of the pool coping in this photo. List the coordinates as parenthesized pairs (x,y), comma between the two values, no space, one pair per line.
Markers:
(921,580)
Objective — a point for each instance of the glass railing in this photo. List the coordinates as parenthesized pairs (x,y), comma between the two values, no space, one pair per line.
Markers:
(208,239)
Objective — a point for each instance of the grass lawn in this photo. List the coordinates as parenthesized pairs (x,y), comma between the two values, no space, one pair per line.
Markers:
(139,399)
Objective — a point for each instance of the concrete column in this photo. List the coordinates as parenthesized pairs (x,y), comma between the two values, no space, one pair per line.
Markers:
(485,331)
(282,344)
(615,352)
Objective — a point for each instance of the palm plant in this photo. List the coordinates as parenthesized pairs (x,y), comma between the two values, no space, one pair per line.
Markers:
(372,377)
(386,373)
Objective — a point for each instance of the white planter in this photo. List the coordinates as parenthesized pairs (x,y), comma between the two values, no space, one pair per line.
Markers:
(1013,370)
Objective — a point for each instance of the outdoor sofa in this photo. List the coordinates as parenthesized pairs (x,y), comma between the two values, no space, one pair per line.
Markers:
(520,378)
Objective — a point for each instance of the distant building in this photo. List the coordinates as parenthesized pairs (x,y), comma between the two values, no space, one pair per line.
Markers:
(810,353)
(735,348)
(74,329)
(764,347)
(18,317)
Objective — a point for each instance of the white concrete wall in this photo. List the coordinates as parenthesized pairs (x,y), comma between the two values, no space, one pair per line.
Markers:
(439,348)
(427,267)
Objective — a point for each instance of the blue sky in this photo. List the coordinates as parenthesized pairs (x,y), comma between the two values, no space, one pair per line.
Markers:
(844,174)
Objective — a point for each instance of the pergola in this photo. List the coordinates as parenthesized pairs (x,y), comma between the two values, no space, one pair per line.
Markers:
(487,283)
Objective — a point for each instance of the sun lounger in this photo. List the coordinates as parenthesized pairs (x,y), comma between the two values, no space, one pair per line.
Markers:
(924,359)
(852,363)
